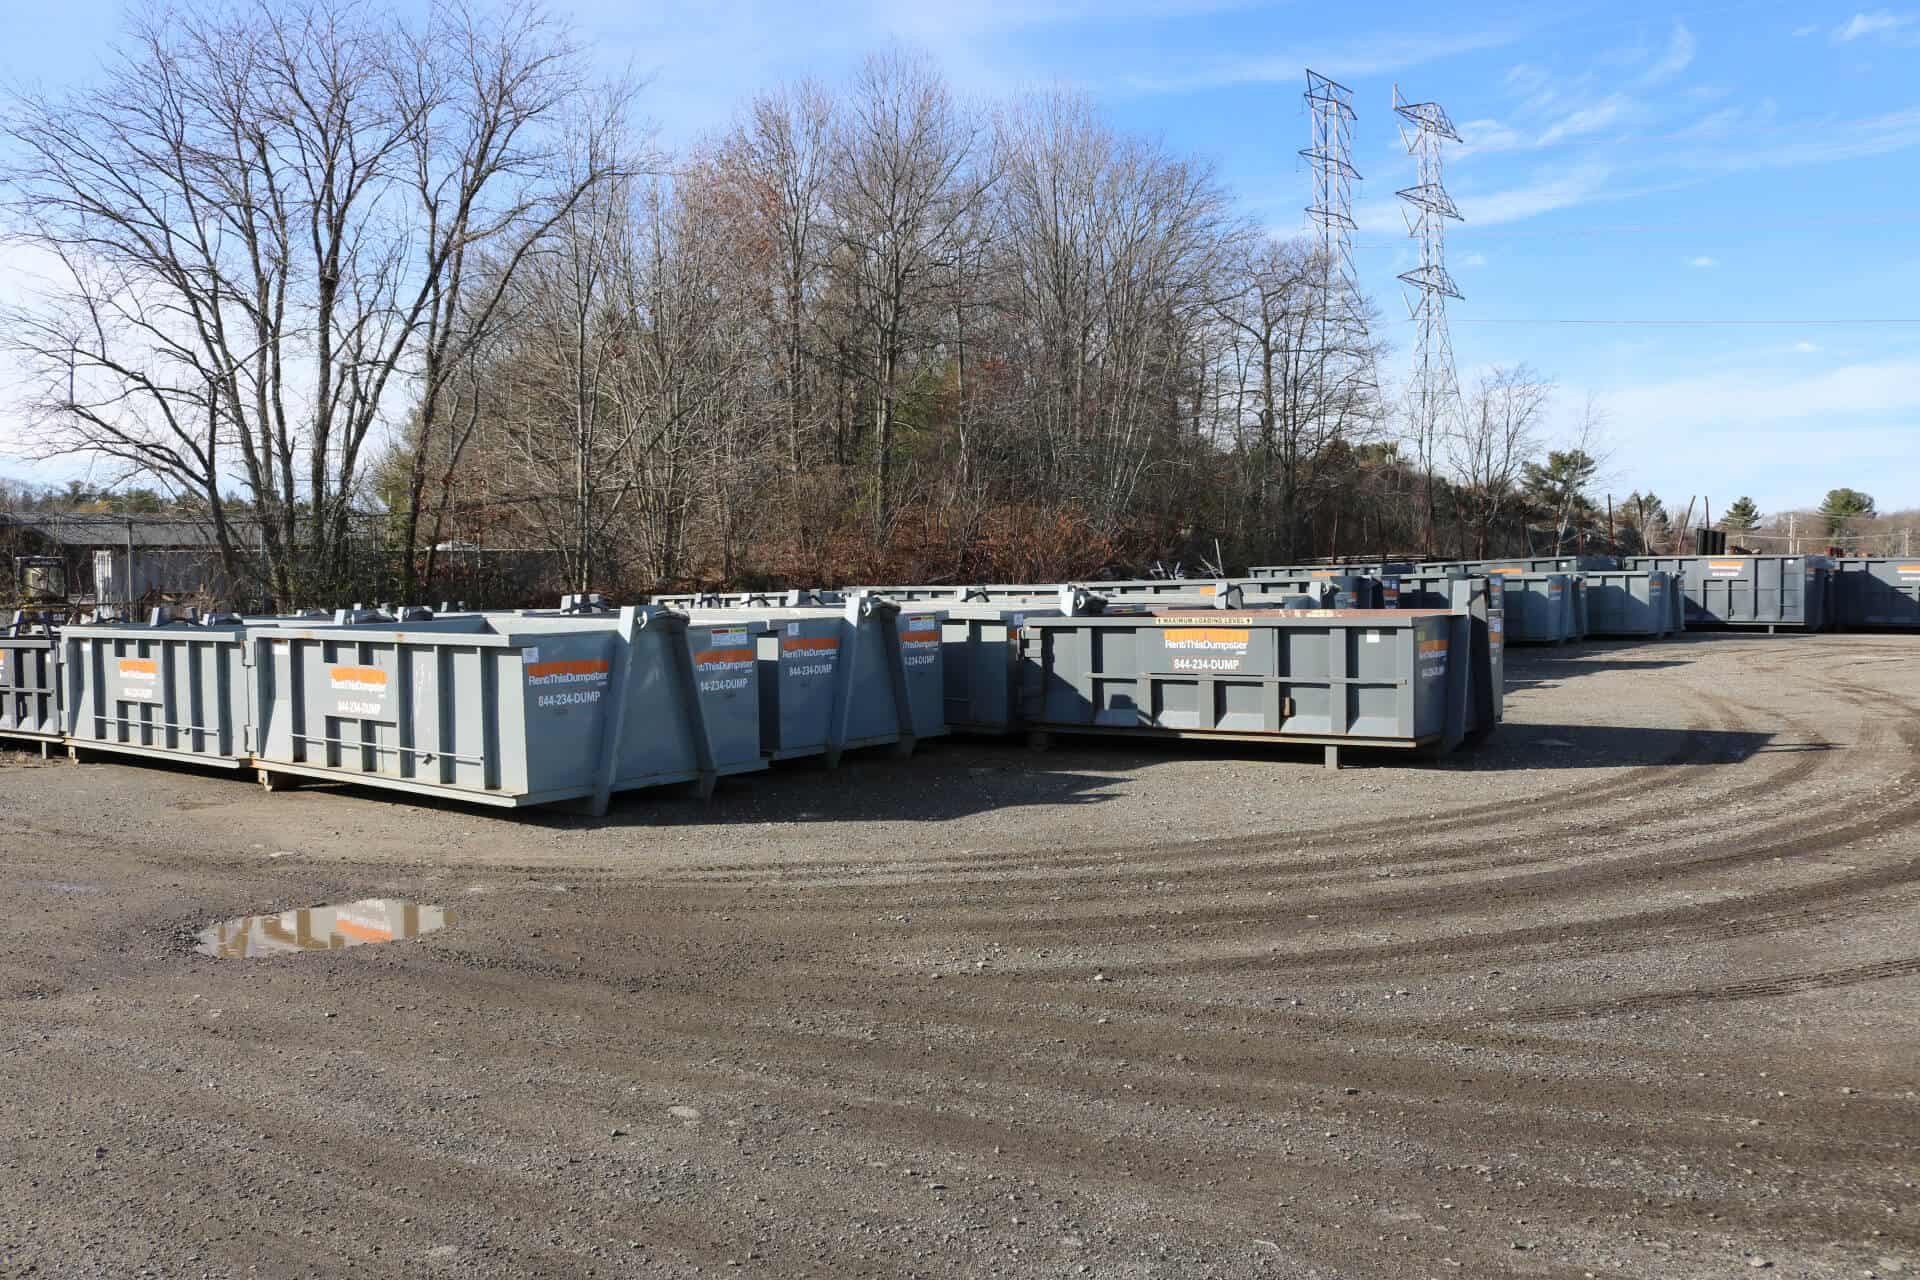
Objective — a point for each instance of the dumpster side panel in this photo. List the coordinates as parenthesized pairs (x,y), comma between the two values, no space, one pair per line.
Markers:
(30,687)
(178,693)
(1369,677)
(726,667)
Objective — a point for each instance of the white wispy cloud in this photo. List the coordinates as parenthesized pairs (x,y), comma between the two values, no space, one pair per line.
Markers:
(1703,262)
(1806,348)
(1555,190)
(1376,55)
(1824,143)
(1474,260)
(1604,114)
(1801,33)
(1677,58)
(1878,23)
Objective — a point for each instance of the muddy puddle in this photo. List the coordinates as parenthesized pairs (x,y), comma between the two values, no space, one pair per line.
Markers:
(331,928)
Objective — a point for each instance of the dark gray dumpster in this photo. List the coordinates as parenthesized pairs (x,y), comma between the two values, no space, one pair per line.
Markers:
(1539,607)
(1774,592)
(1372,678)
(1877,593)
(1628,603)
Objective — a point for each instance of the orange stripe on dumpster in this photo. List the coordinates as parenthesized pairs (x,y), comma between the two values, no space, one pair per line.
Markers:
(139,667)
(810,644)
(1433,646)
(710,657)
(358,675)
(569,667)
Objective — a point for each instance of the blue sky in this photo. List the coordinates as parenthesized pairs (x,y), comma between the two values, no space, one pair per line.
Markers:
(1729,166)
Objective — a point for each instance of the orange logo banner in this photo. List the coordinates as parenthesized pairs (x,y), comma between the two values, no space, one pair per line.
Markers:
(709,657)
(574,667)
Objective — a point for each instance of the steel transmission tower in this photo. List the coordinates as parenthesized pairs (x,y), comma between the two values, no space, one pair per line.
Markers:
(1433,392)
(1343,329)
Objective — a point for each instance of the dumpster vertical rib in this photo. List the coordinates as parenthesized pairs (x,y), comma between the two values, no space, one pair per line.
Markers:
(704,755)
(613,722)
(894,649)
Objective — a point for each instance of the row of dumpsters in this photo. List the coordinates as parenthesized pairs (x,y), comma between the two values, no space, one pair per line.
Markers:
(538,707)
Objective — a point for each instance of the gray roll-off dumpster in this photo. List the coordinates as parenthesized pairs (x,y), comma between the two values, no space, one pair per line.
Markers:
(1340,590)
(1877,593)
(1539,606)
(1430,590)
(837,679)
(1775,592)
(1483,600)
(169,689)
(1628,603)
(1577,597)
(980,654)
(1399,679)
(1340,568)
(508,710)
(1525,564)
(30,681)
(797,598)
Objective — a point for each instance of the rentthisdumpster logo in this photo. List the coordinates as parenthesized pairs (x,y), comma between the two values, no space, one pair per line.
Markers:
(1433,659)
(727,665)
(358,692)
(1207,648)
(920,640)
(573,681)
(139,678)
(808,655)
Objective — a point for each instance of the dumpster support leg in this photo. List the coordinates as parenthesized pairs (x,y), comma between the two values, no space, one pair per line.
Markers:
(1332,759)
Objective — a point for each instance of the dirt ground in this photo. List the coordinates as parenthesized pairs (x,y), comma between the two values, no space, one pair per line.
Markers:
(1631,991)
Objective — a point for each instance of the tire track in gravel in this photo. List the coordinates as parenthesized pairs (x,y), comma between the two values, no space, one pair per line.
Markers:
(1197,865)
(1752,989)
(1657,774)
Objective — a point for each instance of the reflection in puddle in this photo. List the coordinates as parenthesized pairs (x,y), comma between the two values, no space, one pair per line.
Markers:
(321,928)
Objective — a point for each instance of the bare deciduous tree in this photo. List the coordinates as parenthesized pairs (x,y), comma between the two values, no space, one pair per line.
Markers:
(1488,451)
(908,168)
(264,218)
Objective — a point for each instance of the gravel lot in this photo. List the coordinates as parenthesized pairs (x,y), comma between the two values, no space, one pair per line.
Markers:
(1631,991)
